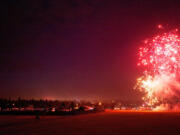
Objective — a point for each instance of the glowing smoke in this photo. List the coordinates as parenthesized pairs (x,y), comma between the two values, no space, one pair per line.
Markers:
(160,60)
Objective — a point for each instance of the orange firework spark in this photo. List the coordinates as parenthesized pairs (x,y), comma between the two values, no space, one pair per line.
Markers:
(160,59)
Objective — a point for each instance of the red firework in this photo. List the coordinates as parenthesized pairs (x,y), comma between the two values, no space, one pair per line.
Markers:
(160,58)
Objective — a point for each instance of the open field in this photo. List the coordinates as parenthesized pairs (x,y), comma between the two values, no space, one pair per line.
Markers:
(104,123)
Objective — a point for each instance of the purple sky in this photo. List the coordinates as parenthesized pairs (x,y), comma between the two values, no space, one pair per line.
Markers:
(80,49)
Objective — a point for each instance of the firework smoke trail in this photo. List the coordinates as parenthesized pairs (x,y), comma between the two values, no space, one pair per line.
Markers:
(160,60)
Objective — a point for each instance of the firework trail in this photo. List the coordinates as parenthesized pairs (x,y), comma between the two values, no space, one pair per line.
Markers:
(160,60)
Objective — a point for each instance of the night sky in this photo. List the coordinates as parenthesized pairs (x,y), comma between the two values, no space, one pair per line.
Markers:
(77,49)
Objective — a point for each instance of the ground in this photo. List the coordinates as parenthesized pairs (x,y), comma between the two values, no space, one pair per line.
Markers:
(104,123)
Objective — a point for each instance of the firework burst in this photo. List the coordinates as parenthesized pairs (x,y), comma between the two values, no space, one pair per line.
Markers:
(160,60)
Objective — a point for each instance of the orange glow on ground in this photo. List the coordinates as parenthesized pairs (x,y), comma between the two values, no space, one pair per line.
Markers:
(138,111)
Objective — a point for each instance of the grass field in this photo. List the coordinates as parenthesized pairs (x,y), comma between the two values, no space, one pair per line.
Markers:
(104,123)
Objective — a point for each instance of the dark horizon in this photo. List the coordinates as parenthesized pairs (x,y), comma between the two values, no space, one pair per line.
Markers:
(77,49)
